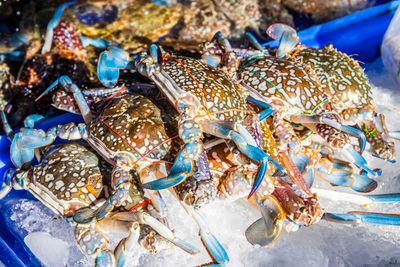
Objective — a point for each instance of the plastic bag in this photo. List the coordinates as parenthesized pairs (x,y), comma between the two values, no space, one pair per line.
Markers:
(390,49)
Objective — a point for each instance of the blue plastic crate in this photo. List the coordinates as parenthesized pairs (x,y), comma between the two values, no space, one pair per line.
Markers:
(359,34)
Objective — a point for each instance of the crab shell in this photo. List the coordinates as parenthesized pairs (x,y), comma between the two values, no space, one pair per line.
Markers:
(341,77)
(292,87)
(344,80)
(67,178)
(213,89)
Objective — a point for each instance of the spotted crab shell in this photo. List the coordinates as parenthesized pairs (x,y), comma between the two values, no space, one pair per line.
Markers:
(271,76)
(67,178)
(132,125)
(214,90)
(341,76)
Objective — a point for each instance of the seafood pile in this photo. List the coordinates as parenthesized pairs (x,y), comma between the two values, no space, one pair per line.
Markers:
(224,123)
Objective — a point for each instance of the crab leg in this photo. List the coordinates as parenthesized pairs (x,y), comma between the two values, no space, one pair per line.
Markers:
(21,150)
(110,61)
(53,23)
(213,246)
(68,85)
(268,111)
(159,227)
(250,151)
(287,36)
(267,229)
(353,217)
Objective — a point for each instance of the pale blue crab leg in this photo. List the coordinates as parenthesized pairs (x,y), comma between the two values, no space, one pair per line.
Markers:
(250,151)
(353,217)
(357,199)
(214,247)
(53,23)
(109,65)
(347,129)
(394,134)
(358,160)
(71,87)
(250,37)
(267,229)
(99,43)
(6,126)
(168,234)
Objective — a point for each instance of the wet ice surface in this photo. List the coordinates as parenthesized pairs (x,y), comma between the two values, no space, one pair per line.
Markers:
(323,244)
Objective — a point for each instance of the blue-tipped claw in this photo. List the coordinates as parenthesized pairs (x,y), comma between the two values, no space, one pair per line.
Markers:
(214,247)
(31,120)
(107,76)
(357,133)
(267,229)
(287,43)
(110,62)
(276,30)
(6,183)
(364,217)
(363,184)
(182,168)
(359,161)
(29,139)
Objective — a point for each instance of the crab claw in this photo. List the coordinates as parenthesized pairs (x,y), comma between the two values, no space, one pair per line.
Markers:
(105,258)
(353,217)
(31,120)
(287,36)
(267,229)
(303,164)
(182,168)
(213,246)
(6,183)
(339,172)
(354,157)
(109,64)
(23,143)
(127,244)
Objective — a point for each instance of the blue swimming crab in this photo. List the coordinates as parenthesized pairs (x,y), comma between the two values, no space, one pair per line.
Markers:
(290,90)
(347,86)
(292,203)
(206,98)
(69,177)
(128,133)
